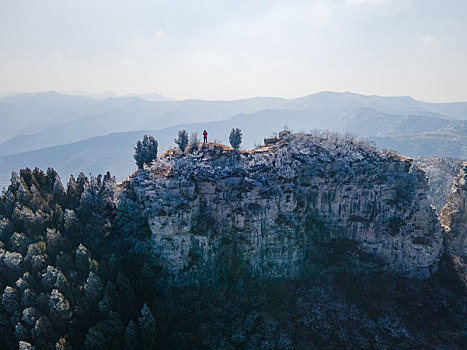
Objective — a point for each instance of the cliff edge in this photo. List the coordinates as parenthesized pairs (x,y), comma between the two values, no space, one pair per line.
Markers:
(306,204)
(454,219)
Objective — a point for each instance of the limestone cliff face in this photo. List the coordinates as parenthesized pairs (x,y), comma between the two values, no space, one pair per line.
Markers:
(454,219)
(305,205)
(440,172)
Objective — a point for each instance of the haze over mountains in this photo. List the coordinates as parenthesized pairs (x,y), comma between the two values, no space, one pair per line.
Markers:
(100,117)
(93,134)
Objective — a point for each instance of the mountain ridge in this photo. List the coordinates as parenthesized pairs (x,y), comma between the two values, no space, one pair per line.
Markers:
(255,127)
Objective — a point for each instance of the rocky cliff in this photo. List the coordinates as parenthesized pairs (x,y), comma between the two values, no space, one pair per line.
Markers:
(306,204)
(454,219)
(440,172)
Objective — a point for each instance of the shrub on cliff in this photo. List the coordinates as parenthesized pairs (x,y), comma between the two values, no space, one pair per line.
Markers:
(235,138)
(145,151)
(193,142)
(182,140)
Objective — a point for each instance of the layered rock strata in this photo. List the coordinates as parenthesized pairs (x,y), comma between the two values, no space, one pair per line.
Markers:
(304,205)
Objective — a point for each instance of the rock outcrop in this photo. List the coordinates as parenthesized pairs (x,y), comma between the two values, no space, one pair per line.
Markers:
(440,172)
(307,204)
(454,219)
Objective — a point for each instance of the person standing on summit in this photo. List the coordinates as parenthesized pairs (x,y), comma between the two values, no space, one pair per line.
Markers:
(205,136)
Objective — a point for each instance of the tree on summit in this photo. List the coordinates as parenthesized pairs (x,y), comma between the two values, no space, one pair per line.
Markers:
(235,138)
(145,151)
(193,142)
(182,140)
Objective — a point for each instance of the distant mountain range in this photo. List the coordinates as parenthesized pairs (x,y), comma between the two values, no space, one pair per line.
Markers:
(150,96)
(51,119)
(78,133)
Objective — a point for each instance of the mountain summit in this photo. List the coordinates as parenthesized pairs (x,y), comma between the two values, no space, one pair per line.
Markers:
(306,203)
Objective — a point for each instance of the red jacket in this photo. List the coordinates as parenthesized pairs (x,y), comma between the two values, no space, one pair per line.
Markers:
(205,134)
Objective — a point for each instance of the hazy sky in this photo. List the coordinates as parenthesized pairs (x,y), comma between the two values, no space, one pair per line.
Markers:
(233,49)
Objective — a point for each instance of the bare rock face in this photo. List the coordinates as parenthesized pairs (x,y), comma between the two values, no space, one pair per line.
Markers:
(304,205)
(454,219)
(440,172)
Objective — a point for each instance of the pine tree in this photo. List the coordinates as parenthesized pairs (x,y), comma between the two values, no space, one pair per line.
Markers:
(60,311)
(93,289)
(114,331)
(147,327)
(235,138)
(82,261)
(145,151)
(132,341)
(9,300)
